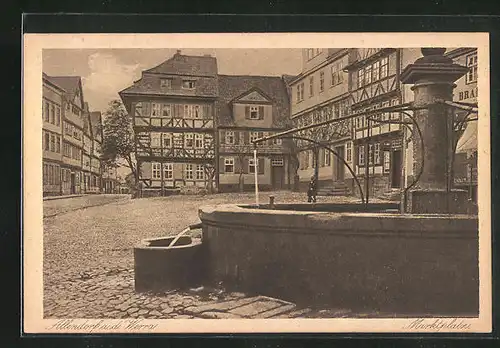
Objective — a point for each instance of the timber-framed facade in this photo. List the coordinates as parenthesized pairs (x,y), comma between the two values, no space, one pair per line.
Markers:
(172,108)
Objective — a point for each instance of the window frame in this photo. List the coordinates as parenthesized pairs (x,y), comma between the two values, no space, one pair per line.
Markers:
(229,135)
(321,81)
(253,165)
(228,161)
(156,171)
(254,112)
(361,155)
(189,171)
(200,172)
(168,171)
(471,76)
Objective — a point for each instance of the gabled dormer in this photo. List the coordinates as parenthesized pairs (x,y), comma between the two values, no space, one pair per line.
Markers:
(252,108)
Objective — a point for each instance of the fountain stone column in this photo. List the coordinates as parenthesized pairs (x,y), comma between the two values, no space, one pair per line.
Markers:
(433,77)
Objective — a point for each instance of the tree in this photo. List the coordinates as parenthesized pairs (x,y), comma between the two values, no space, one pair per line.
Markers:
(118,138)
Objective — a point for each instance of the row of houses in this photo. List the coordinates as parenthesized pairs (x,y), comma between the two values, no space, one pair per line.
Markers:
(71,140)
(194,126)
(338,82)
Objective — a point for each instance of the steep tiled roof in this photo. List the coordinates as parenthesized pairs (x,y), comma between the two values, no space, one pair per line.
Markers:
(69,83)
(185,65)
(202,69)
(232,86)
(96,122)
(52,81)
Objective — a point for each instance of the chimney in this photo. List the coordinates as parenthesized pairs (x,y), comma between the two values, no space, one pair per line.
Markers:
(178,53)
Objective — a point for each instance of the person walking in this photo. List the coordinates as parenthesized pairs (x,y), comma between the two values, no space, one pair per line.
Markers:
(311,192)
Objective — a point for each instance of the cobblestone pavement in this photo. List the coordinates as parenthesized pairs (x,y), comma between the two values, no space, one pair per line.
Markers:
(88,260)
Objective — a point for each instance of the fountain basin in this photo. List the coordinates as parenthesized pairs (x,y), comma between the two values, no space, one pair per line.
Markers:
(417,265)
(158,267)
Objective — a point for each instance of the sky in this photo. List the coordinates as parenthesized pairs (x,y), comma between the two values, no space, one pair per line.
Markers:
(105,72)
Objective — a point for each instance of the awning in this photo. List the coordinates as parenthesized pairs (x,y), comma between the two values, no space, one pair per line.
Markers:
(468,141)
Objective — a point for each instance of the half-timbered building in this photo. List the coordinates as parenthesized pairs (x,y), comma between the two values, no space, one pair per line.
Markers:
(466,91)
(378,148)
(318,94)
(72,125)
(95,160)
(248,108)
(86,150)
(51,136)
(172,106)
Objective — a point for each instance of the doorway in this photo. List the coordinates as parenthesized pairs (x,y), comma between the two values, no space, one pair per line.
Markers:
(277,173)
(73,188)
(339,164)
(397,162)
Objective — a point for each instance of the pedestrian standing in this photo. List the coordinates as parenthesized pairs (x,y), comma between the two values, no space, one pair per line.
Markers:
(311,191)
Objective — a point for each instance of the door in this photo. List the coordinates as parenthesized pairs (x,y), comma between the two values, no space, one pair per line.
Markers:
(339,164)
(73,190)
(277,173)
(396,168)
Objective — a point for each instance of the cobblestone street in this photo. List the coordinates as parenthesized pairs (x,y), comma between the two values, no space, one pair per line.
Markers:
(88,260)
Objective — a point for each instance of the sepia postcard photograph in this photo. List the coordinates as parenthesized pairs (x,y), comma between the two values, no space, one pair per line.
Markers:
(248,183)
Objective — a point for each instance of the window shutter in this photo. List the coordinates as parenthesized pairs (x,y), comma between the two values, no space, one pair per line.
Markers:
(237,165)
(222,137)
(206,111)
(221,165)
(261,166)
(246,138)
(146,109)
(181,110)
(236,137)
(245,165)
(247,112)
(261,112)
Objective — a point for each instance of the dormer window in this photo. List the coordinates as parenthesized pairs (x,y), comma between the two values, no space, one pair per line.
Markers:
(166,83)
(188,84)
(254,112)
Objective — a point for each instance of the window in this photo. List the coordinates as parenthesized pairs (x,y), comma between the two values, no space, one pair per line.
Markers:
(188,84)
(327,158)
(155,140)
(166,83)
(277,162)
(52,114)
(377,154)
(58,116)
(311,86)
(370,154)
(361,77)
(300,92)
(189,171)
(188,140)
(472,65)
(197,112)
(52,143)
(348,151)
(376,71)
(229,165)
(58,144)
(156,110)
(198,141)
(254,136)
(168,170)
(368,74)
(167,140)
(361,155)
(277,141)
(66,150)
(200,173)
(321,81)
(47,141)
(251,166)
(387,161)
(47,112)
(384,63)
(156,171)
(229,137)
(254,112)
(310,53)
(165,110)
